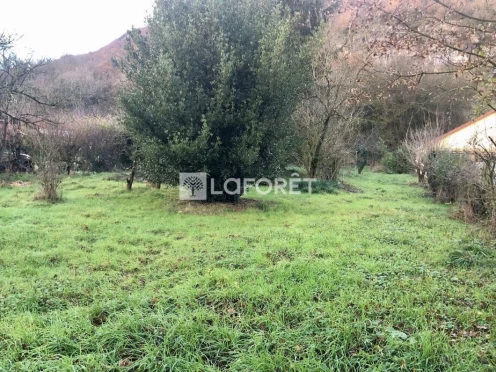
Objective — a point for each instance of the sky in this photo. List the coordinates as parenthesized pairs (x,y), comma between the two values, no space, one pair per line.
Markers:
(52,28)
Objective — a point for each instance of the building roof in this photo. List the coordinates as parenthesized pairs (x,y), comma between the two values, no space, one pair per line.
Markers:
(463,126)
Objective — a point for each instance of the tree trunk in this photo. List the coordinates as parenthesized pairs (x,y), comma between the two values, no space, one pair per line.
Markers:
(130,179)
(362,157)
(3,146)
(314,164)
(421,176)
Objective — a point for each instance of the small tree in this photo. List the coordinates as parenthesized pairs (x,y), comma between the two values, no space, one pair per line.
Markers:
(420,144)
(47,144)
(326,116)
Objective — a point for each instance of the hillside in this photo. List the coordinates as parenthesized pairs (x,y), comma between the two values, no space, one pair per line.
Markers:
(86,84)
(100,60)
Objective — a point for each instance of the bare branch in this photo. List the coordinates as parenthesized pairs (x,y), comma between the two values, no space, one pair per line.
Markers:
(465,15)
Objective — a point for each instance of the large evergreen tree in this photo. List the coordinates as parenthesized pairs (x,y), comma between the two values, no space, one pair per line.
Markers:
(213,84)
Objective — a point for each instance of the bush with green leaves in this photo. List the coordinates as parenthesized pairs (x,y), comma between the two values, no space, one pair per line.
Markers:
(446,175)
(152,164)
(456,178)
(214,87)
(396,162)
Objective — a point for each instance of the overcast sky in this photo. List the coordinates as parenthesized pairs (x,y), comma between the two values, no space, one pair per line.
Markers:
(52,28)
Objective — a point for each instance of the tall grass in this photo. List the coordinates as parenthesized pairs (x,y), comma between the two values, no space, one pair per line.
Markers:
(113,280)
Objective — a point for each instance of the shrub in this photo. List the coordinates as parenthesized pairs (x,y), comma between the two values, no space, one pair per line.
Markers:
(444,173)
(152,164)
(396,162)
(456,178)
(104,145)
(447,175)
(47,145)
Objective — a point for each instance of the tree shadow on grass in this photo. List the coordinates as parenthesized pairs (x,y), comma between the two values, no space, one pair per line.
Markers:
(212,208)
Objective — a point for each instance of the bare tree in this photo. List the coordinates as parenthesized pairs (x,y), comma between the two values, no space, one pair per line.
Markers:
(326,117)
(420,144)
(47,146)
(439,36)
(485,153)
(21,105)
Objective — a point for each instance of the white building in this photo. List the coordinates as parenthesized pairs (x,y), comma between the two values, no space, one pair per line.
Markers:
(476,132)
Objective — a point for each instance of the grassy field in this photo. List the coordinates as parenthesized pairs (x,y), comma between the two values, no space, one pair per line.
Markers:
(110,280)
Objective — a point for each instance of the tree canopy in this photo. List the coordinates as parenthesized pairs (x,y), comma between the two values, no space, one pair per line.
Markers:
(212,88)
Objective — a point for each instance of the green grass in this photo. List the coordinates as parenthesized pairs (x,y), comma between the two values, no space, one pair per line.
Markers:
(111,280)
